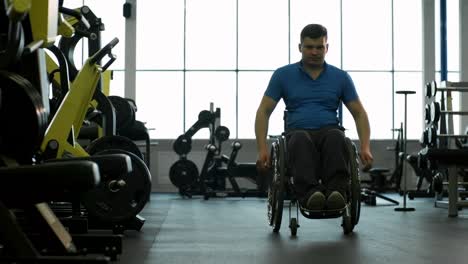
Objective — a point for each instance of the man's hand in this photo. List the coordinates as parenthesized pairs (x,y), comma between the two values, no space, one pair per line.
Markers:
(366,159)
(263,161)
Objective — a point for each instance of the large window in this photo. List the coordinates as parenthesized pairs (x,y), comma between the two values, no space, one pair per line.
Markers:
(407,41)
(367,35)
(251,88)
(262,34)
(160,35)
(193,52)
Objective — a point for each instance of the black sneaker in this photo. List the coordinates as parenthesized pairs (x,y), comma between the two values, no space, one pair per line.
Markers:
(336,201)
(316,201)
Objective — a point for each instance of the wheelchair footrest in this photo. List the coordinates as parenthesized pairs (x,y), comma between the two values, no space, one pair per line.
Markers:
(321,214)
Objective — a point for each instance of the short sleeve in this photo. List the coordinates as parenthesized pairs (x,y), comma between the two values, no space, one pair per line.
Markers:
(274,90)
(349,90)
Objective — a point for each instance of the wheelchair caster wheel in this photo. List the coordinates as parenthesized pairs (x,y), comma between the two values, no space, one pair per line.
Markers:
(347,225)
(293,225)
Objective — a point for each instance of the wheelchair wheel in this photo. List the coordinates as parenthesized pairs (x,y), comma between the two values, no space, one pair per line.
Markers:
(276,188)
(293,225)
(355,190)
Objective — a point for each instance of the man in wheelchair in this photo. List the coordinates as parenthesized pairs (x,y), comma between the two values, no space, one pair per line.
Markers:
(312,91)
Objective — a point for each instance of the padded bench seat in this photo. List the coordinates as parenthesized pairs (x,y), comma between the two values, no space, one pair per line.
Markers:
(45,182)
(108,164)
(456,157)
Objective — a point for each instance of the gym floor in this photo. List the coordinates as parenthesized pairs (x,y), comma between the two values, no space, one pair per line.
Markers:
(235,230)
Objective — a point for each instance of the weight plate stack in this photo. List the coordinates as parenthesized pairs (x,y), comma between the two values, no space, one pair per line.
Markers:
(23,117)
(120,198)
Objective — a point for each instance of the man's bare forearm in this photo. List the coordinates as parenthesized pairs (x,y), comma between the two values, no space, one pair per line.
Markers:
(363,129)
(261,128)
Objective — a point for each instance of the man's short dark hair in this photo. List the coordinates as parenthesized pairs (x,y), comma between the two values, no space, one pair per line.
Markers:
(313,31)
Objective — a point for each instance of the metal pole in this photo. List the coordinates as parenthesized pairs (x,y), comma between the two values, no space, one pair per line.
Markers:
(405,153)
(404,208)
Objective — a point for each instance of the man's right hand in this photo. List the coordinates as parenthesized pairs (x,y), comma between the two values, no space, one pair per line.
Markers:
(263,161)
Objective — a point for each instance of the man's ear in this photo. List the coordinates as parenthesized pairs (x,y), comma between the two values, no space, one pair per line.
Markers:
(300,47)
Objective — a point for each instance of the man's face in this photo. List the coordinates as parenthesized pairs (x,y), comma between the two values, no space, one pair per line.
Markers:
(313,50)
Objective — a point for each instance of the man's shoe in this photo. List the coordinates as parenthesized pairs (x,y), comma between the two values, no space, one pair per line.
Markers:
(316,201)
(335,201)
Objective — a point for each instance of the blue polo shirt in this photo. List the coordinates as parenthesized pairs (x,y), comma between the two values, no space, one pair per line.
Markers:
(311,104)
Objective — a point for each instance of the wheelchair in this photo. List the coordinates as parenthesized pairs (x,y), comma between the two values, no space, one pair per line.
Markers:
(282,188)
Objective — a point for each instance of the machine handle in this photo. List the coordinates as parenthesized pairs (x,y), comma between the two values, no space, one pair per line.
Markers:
(75,14)
(103,52)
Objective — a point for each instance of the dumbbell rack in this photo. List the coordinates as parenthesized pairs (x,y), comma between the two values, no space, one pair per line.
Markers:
(439,141)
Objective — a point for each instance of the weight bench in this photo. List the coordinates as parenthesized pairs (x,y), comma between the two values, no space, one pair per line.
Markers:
(31,184)
(246,170)
(451,159)
(108,164)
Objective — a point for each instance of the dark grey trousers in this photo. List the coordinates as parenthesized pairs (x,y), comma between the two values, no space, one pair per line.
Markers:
(318,161)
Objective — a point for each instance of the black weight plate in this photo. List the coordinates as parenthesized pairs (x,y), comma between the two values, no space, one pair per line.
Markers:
(183,173)
(205,116)
(435,112)
(428,91)
(432,135)
(113,142)
(11,42)
(67,46)
(182,145)
(433,89)
(438,183)
(465,140)
(137,132)
(23,117)
(425,137)
(124,112)
(222,133)
(120,205)
(427,114)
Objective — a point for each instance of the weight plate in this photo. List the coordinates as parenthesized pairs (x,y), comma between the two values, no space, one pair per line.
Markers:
(428,91)
(113,142)
(438,183)
(431,89)
(137,132)
(182,145)
(425,137)
(427,114)
(22,115)
(432,135)
(435,112)
(11,42)
(124,112)
(183,173)
(68,45)
(222,133)
(205,116)
(109,202)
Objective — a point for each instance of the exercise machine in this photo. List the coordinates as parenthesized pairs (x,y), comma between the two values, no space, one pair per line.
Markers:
(217,169)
